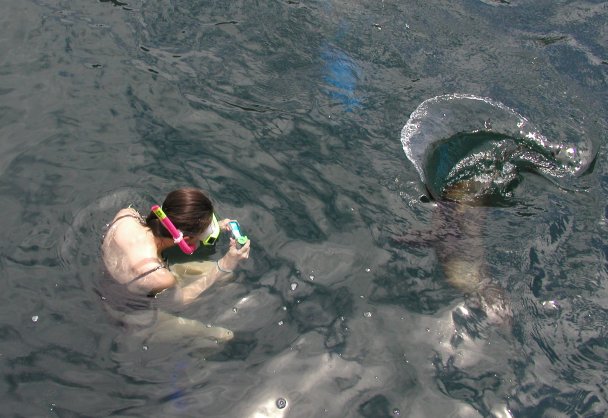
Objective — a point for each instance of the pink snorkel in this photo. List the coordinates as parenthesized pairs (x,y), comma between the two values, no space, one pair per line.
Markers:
(178,236)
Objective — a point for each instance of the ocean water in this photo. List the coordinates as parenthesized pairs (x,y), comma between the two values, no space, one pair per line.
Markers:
(291,114)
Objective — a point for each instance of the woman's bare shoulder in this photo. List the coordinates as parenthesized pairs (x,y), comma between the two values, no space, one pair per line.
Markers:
(157,281)
(133,234)
(128,211)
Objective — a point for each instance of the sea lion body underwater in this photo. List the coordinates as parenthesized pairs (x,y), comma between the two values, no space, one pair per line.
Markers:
(457,236)
(460,220)
(469,152)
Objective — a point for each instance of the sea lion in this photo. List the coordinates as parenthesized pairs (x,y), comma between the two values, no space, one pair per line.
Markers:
(457,235)
(460,250)
(469,152)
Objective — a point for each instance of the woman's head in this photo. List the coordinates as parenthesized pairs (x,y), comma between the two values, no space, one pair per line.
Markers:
(189,209)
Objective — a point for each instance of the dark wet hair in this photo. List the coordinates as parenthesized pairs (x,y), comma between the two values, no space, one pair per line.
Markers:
(189,209)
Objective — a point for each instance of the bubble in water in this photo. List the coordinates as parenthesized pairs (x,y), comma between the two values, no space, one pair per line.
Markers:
(281,403)
(145,348)
(550,305)
(35,318)
(294,286)
(280,323)
(396,412)
(367,314)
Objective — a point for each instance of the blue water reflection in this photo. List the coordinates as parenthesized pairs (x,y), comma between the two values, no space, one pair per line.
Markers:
(342,75)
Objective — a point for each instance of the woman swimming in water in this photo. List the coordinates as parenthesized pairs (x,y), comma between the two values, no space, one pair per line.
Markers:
(132,248)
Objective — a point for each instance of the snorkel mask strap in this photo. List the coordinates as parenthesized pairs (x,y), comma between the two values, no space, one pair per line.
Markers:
(178,236)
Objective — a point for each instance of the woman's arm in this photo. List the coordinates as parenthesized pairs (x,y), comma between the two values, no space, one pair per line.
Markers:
(169,288)
(223,271)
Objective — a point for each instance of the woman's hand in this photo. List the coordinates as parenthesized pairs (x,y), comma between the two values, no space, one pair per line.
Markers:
(231,260)
(225,224)
(239,253)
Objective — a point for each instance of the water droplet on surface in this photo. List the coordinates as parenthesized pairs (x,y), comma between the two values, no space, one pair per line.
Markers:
(367,314)
(311,277)
(281,403)
(145,348)
(368,269)
(396,412)
(294,286)
(550,304)
(35,318)
(281,322)
(235,310)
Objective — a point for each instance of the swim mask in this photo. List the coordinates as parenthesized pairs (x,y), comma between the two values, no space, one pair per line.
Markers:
(211,234)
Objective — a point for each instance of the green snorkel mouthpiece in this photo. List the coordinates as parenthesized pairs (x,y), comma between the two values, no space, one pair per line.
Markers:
(235,228)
